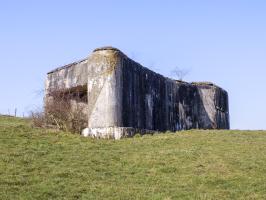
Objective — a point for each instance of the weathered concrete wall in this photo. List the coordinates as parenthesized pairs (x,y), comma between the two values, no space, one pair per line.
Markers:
(69,76)
(70,80)
(214,108)
(151,101)
(125,97)
(104,89)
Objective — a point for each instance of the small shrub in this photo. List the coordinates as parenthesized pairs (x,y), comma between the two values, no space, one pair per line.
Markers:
(62,112)
(38,118)
(137,135)
(168,132)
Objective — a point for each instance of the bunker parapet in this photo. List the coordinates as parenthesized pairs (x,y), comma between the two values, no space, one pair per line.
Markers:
(123,98)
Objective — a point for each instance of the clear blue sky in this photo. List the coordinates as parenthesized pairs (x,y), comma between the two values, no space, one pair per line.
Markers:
(223,41)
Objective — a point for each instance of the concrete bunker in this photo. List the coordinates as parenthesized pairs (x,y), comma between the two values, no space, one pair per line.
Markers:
(120,97)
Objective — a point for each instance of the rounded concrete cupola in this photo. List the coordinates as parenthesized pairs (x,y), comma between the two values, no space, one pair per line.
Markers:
(106,48)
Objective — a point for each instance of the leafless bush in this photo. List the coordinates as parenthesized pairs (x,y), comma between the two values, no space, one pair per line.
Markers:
(63,110)
(180,73)
(38,118)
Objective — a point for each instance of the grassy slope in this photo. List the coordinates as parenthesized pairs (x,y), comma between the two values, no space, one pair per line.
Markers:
(38,164)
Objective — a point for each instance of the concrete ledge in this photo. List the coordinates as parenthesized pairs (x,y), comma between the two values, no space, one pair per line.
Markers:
(114,132)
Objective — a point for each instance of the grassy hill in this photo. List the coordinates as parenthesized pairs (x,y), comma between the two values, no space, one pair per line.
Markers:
(43,164)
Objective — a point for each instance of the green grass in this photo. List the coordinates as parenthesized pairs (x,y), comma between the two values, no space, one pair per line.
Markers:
(42,164)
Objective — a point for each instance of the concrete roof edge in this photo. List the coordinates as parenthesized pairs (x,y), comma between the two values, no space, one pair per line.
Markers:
(207,84)
(68,65)
(79,61)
